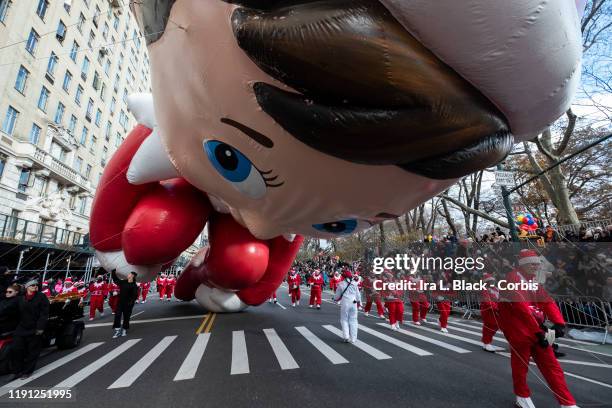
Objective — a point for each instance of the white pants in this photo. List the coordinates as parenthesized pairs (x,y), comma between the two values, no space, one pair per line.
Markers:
(348,320)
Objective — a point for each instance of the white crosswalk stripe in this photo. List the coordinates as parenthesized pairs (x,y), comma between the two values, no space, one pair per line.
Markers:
(141,365)
(96,365)
(284,357)
(240,357)
(432,341)
(475,333)
(396,342)
(374,352)
(48,368)
(188,369)
(452,336)
(332,355)
(478,326)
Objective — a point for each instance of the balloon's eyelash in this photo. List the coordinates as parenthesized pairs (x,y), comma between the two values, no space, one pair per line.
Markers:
(267,180)
(275,185)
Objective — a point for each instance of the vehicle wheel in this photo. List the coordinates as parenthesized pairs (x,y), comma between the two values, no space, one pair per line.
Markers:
(71,337)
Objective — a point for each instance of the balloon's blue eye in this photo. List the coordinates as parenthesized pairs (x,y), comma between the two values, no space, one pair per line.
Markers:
(235,168)
(337,227)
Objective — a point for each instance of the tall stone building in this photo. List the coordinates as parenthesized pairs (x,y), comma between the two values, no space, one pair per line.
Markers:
(66,68)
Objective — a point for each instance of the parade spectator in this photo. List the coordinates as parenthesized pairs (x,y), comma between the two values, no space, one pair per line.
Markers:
(9,309)
(128,293)
(27,338)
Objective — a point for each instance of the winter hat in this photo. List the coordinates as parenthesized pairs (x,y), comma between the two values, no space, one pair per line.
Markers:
(528,256)
(68,280)
(488,277)
(346,273)
(31,282)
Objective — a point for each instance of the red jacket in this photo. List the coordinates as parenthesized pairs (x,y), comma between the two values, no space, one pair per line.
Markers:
(160,282)
(98,289)
(112,287)
(294,281)
(316,282)
(170,282)
(521,312)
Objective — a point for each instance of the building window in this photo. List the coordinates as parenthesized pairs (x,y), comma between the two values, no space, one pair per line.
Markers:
(83,205)
(88,171)
(98,117)
(125,95)
(89,111)
(59,113)
(84,134)
(96,81)
(74,50)
(107,65)
(116,84)
(96,16)
(78,163)
(58,152)
(107,132)
(40,184)
(2,164)
(93,143)
(92,38)
(24,178)
(60,34)
(43,98)
(72,124)
(67,5)
(52,64)
(118,139)
(80,23)
(4,6)
(67,80)
(113,104)
(41,9)
(104,155)
(105,31)
(32,41)
(22,77)
(103,92)
(10,120)
(35,133)
(85,68)
(116,23)
(86,3)
(77,96)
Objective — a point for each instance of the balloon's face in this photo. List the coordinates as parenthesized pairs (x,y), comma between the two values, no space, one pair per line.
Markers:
(316,118)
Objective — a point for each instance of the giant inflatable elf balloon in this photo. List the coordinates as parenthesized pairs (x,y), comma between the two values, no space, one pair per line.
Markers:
(275,119)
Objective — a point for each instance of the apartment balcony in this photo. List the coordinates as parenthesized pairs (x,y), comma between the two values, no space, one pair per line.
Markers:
(38,159)
(21,231)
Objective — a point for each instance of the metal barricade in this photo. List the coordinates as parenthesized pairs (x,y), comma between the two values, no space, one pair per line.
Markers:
(585,311)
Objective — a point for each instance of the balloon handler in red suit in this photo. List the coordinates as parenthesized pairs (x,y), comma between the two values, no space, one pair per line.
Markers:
(316,288)
(418,300)
(393,302)
(160,285)
(98,291)
(113,299)
(444,304)
(372,296)
(144,291)
(293,281)
(521,316)
(334,280)
(170,284)
(489,299)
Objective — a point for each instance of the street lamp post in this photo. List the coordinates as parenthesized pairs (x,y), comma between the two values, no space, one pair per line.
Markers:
(20,260)
(46,266)
(67,269)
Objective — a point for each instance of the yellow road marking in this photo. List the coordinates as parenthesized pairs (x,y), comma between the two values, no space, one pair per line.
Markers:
(204,321)
(210,323)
